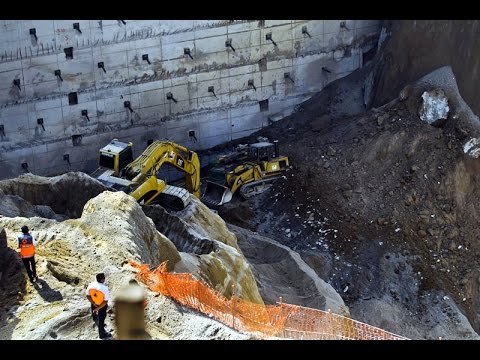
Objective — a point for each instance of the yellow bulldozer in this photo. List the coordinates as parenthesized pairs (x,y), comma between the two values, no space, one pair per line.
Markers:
(138,177)
(263,166)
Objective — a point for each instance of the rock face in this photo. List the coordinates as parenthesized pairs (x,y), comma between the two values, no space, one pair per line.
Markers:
(207,224)
(111,229)
(226,266)
(199,231)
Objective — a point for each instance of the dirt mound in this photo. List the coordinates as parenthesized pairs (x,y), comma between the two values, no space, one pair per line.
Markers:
(65,194)
(280,272)
(112,228)
(379,182)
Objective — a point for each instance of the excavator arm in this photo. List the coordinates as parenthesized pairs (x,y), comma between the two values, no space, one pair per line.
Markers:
(144,168)
(138,177)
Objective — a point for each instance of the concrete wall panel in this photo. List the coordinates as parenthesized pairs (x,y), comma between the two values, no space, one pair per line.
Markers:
(130,78)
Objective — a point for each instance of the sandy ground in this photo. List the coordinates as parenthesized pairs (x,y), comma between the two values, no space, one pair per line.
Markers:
(70,252)
(113,228)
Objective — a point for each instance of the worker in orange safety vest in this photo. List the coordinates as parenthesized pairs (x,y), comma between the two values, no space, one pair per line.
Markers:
(26,244)
(99,296)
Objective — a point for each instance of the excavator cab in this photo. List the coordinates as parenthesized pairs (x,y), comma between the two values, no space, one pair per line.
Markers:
(138,177)
(262,151)
(112,161)
(116,155)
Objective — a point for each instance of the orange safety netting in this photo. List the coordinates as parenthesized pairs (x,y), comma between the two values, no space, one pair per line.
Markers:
(312,324)
(282,320)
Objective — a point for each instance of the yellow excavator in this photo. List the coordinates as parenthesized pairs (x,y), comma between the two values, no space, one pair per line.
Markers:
(117,169)
(263,166)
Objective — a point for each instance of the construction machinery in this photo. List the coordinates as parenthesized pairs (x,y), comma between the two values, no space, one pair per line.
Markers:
(252,177)
(138,177)
(221,164)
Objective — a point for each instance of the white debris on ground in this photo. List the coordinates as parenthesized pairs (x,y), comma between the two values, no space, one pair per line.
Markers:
(434,106)
(470,148)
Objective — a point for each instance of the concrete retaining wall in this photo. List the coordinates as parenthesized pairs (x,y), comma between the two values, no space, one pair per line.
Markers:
(210,87)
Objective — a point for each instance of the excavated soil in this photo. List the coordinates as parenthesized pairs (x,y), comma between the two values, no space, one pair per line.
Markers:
(283,276)
(112,228)
(382,205)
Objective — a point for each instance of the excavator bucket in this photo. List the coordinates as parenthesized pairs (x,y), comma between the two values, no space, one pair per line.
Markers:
(216,194)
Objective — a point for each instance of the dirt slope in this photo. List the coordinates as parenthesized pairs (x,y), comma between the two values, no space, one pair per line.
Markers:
(365,188)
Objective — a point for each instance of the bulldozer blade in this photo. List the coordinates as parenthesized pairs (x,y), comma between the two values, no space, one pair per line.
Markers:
(216,194)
